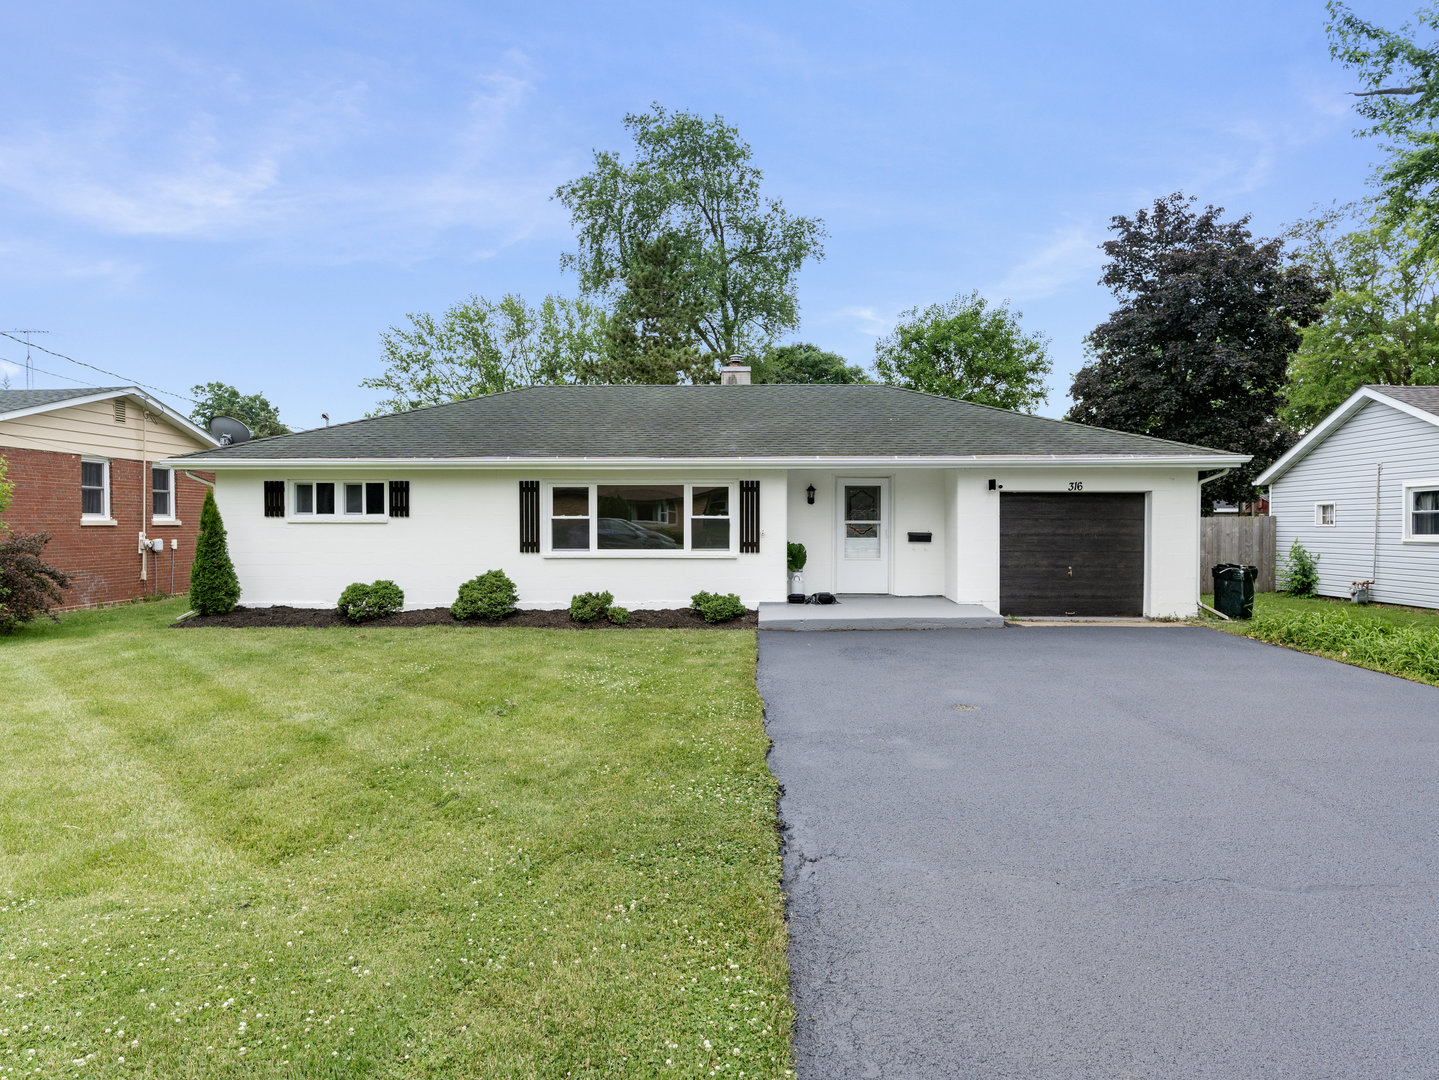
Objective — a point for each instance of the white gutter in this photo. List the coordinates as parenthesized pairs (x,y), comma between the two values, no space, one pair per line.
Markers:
(1225,461)
(1199,544)
(199,479)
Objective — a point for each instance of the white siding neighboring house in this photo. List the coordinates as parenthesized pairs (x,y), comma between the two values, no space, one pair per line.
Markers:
(1361,491)
(658,492)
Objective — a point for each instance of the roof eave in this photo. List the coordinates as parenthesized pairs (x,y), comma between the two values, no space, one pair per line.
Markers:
(1199,461)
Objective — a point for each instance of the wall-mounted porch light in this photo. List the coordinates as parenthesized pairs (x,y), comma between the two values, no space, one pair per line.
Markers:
(809,494)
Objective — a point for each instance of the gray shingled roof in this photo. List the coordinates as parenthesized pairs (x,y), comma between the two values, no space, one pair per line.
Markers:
(795,421)
(1421,397)
(16,400)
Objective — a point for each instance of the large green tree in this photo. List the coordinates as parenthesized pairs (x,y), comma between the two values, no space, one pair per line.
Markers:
(694,180)
(966,348)
(214,399)
(802,362)
(1399,70)
(1198,347)
(650,335)
(1381,322)
(484,346)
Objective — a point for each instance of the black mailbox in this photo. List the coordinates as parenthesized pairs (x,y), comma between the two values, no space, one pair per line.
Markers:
(921,538)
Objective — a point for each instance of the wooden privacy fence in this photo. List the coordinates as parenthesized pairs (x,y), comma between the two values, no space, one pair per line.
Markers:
(1235,538)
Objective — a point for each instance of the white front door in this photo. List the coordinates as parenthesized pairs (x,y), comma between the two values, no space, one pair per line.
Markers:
(862,562)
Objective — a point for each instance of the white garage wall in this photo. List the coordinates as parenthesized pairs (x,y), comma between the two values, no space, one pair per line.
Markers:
(1173,528)
(464,522)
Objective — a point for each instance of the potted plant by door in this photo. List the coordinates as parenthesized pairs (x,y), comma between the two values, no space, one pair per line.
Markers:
(795,558)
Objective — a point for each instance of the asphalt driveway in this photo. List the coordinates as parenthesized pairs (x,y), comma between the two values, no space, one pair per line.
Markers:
(1104,852)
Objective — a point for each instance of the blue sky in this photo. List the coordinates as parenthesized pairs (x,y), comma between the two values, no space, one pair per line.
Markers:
(253,192)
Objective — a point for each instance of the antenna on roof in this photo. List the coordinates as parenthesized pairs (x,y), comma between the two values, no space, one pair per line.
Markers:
(229,431)
(29,379)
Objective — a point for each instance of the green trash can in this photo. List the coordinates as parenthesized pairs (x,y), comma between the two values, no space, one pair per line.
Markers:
(1234,590)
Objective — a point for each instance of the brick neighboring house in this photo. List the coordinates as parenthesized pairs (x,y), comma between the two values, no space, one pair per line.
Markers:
(83,463)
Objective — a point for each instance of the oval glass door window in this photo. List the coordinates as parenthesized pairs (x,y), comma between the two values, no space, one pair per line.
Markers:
(861,521)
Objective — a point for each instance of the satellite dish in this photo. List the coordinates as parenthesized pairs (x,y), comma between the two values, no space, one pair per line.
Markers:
(229,431)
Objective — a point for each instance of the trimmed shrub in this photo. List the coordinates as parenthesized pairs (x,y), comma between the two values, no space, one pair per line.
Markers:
(714,607)
(361,603)
(492,595)
(1299,576)
(214,588)
(589,606)
(795,557)
(29,586)
(618,615)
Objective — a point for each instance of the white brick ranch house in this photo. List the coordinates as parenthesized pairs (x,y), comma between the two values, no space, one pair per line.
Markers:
(657,492)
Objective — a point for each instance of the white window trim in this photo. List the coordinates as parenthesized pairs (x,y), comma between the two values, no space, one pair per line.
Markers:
(102,518)
(547,531)
(1319,517)
(340,516)
(1410,487)
(162,519)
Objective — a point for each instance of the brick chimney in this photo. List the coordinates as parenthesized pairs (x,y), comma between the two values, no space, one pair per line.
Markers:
(734,372)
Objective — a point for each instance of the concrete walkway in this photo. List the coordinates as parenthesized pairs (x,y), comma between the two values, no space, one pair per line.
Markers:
(1104,852)
(879,613)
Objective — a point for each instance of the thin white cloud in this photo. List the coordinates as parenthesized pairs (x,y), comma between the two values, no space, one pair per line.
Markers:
(863,319)
(275,167)
(1069,255)
(29,261)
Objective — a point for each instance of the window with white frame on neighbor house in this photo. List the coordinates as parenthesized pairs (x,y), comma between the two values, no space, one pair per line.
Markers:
(162,493)
(1422,513)
(94,488)
(658,518)
(1324,513)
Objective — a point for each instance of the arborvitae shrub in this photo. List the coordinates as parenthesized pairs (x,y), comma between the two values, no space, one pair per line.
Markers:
(214,588)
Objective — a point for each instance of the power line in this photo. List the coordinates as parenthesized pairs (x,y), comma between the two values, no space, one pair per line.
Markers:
(102,371)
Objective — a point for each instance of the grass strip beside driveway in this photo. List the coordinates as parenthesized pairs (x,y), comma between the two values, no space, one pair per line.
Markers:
(1395,640)
(417,853)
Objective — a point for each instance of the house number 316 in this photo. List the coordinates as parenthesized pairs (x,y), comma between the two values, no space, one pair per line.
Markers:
(1076,485)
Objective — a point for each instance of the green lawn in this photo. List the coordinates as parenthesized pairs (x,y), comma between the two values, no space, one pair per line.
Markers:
(1397,640)
(439,852)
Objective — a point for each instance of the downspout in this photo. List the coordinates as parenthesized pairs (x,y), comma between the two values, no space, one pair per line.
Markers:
(1374,567)
(199,479)
(1199,545)
(144,501)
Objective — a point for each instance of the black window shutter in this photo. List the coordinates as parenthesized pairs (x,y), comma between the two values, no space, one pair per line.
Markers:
(749,516)
(274,498)
(399,498)
(529,516)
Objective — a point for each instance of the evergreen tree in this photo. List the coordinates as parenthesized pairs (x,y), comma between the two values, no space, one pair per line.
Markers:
(214,588)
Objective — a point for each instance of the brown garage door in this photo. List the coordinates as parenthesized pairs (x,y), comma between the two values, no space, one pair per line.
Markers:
(1071,554)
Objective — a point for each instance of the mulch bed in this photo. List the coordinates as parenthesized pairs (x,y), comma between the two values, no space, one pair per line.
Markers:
(664,619)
